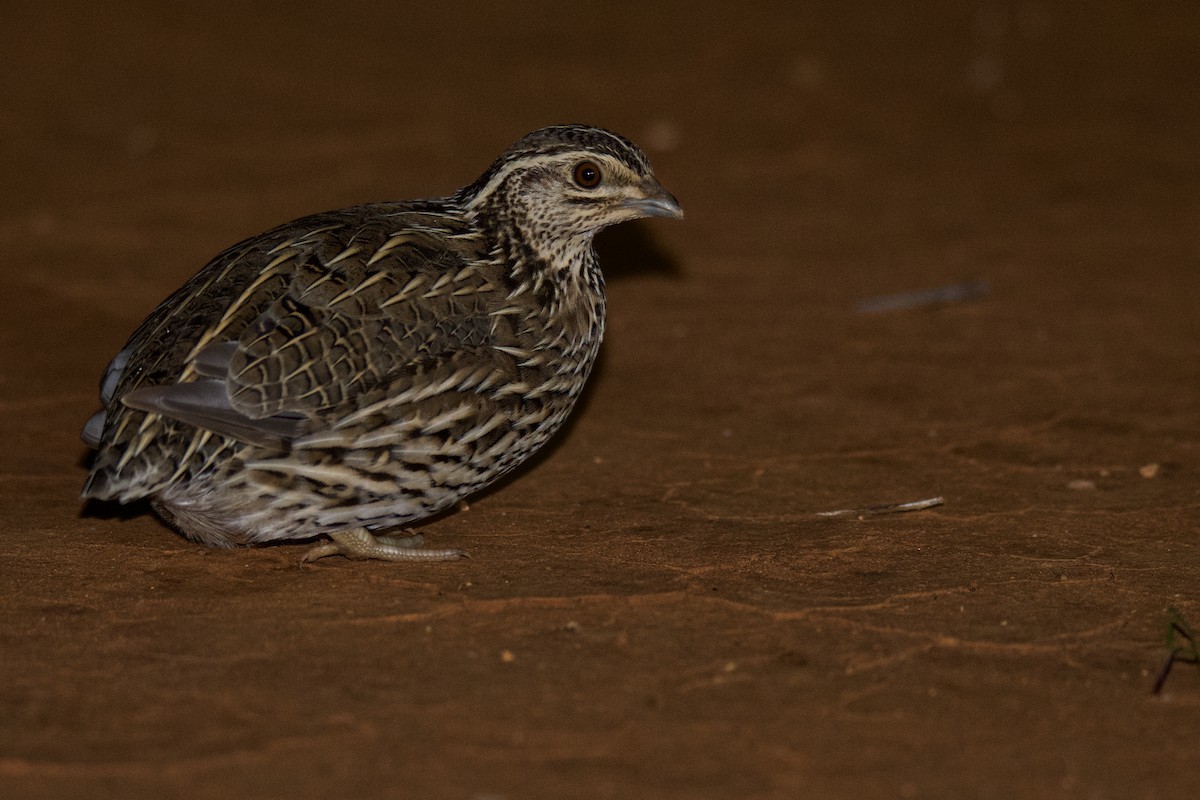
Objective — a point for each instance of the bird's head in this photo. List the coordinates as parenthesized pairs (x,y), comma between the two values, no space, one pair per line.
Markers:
(566,183)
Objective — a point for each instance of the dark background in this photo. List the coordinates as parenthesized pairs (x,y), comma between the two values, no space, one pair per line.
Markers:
(654,609)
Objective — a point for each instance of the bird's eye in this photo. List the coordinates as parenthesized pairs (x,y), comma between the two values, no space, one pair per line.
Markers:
(587,174)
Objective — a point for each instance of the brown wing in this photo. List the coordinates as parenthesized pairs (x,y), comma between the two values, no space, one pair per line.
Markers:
(364,311)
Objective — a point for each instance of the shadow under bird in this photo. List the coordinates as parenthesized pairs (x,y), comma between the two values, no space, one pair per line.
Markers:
(354,372)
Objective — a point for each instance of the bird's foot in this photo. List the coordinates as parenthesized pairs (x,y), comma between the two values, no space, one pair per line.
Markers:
(361,544)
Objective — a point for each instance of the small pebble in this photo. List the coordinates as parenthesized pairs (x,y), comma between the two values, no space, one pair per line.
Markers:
(1149,471)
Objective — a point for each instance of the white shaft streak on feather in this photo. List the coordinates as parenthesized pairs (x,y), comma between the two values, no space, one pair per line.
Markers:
(413,395)
(531,418)
(310,288)
(420,393)
(500,446)
(447,418)
(488,425)
(197,442)
(438,285)
(493,377)
(473,379)
(404,293)
(145,436)
(353,290)
(187,371)
(517,387)
(391,436)
(319,440)
(268,272)
(342,256)
(515,352)
(129,451)
(305,238)
(391,244)
(328,474)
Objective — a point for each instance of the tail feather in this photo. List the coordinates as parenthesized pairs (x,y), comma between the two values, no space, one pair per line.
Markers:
(112,375)
(93,429)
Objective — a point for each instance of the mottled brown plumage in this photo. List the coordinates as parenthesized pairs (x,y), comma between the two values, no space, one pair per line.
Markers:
(360,370)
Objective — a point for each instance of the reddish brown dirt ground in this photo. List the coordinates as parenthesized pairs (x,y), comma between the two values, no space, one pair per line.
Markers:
(653,609)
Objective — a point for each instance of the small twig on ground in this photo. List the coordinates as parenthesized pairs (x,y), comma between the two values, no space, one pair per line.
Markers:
(939,295)
(1188,653)
(889,508)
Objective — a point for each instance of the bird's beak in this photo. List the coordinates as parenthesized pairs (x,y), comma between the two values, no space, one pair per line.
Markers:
(655,201)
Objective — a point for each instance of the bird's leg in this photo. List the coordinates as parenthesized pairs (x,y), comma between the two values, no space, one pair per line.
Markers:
(360,544)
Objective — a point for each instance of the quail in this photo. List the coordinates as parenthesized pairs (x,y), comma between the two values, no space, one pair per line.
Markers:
(351,373)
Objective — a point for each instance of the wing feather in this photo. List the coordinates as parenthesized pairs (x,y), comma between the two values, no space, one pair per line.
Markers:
(365,311)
